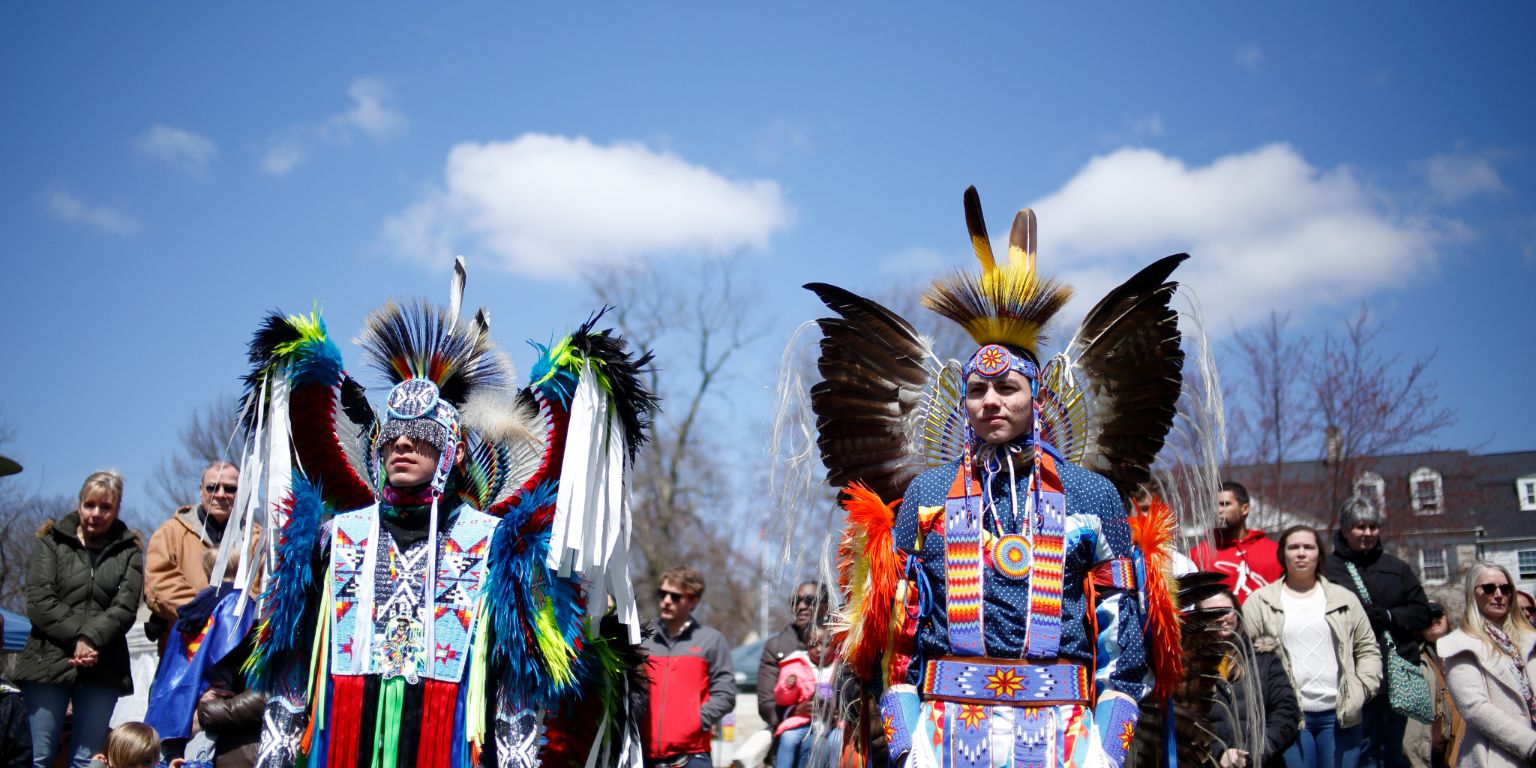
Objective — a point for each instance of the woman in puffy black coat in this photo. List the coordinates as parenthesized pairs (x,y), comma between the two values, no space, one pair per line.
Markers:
(83,589)
(1267,680)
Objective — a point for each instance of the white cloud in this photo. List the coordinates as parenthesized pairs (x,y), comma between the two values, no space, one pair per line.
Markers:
(548,205)
(1249,57)
(177,147)
(371,114)
(66,206)
(1266,230)
(282,158)
(1459,176)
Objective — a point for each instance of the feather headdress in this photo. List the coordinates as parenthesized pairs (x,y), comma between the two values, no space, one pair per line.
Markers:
(1008,303)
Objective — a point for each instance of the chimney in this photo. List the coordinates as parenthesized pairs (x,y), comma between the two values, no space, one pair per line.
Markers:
(1332,446)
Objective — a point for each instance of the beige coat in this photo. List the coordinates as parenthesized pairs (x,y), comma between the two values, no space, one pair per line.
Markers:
(1498,728)
(1353,642)
(173,566)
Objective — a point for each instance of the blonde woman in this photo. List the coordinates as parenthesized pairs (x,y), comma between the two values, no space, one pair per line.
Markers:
(1490,667)
(1322,633)
(83,590)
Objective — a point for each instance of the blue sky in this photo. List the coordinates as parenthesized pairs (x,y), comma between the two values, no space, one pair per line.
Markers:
(175,170)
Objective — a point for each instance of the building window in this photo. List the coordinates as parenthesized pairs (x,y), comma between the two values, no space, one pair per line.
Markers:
(1527,564)
(1526,487)
(1432,566)
(1425,488)
(1372,488)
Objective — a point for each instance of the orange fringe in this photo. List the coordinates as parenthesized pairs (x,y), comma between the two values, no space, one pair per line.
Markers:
(867,573)
(1153,532)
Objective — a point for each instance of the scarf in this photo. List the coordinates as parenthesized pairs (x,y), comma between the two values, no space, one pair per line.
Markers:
(1503,642)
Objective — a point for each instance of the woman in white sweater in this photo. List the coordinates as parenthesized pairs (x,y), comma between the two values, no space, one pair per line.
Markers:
(1490,668)
(1322,633)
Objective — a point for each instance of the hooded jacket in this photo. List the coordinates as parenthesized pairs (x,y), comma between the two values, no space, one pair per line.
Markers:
(173,567)
(1397,602)
(1248,563)
(69,596)
(1355,646)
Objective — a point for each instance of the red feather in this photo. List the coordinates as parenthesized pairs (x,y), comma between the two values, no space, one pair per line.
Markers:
(1153,531)
(312,412)
(867,573)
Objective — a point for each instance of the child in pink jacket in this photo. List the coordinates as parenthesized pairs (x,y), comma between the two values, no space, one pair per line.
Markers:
(808,676)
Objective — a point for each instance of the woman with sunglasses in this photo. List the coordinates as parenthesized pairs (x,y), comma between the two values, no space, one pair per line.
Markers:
(1490,667)
(1326,642)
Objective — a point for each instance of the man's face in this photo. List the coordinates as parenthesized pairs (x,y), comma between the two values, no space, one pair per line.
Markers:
(999,409)
(1230,515)
(217,494)
(675,603)
(808,606)
(409,462)
(1362,536)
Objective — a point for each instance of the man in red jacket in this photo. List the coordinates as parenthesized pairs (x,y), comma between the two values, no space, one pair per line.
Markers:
(1247,558)
(691,682)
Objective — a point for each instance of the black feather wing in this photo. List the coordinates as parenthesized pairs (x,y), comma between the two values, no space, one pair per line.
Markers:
(1128,354)
(876,372)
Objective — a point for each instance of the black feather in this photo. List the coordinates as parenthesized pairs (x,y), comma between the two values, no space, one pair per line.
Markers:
(416,337)
(636,405)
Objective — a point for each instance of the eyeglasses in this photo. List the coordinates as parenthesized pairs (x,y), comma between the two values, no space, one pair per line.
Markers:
(662,595)
(807,599)
(1488,589)
(216,487)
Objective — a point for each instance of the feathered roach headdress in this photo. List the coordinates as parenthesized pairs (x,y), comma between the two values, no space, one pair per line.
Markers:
(1005,308)
(435,365)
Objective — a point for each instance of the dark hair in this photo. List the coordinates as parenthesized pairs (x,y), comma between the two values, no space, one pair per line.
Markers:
(1237,489)
(1436,611)
(1322,547)
(823,595)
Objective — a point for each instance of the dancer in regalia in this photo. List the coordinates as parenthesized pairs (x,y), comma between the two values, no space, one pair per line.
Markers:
(440,582)
(1007,613)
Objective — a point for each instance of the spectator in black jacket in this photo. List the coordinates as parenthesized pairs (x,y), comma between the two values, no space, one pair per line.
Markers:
(1263,691)
(1394,602)
(809,606)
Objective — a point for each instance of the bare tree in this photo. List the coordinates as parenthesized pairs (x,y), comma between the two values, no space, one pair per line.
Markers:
(1372,404)
(1272,418)
(1341,407)
(23,509)
(700,323)
(204,439)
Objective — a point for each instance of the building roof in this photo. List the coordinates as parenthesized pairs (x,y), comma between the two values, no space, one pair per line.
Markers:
(1479,491)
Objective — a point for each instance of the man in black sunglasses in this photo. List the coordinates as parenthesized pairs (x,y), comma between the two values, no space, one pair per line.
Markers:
(689,665)
(808,607)
(173,566)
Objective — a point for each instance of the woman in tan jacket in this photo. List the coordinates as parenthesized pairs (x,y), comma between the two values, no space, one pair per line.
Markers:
(1321,632)
(1490,667)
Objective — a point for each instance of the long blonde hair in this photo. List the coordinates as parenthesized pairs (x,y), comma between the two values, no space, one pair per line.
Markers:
(1472,620)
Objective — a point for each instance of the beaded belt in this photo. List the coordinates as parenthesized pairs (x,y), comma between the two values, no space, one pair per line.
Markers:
(1002,681)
